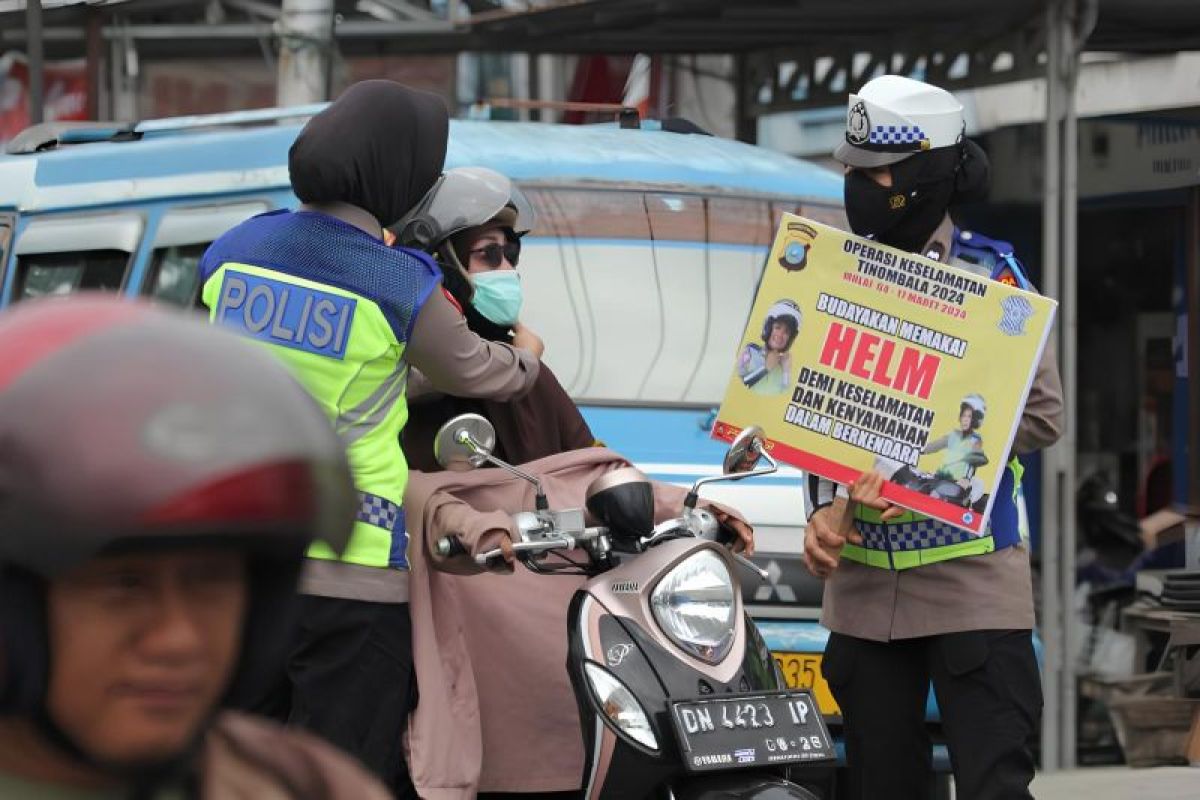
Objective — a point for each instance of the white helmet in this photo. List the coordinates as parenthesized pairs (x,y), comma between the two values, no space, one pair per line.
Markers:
(780,311)
(893,117)
(977,405)
(464,197)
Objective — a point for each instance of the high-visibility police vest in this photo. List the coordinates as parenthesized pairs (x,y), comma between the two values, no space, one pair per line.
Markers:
(911,539)
(337,307)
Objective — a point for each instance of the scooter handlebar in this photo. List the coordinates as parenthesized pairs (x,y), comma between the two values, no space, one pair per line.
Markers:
(560,542)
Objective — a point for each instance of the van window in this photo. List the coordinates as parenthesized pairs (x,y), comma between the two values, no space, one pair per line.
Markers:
(641,296)
(174,275)
(203,224)
(62,273)
(66,253)
(181,239)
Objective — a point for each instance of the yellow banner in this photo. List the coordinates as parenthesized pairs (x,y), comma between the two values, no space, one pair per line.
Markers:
(859,356)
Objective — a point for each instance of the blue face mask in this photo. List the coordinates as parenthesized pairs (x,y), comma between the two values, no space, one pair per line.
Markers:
(498,295)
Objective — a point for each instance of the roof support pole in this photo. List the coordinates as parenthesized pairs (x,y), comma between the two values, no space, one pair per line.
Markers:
(1052,491)
(745,123)
(1068,365)
(1069,22)
(33,47)
(123,65)
(305,30)
(534,75)
(94,50)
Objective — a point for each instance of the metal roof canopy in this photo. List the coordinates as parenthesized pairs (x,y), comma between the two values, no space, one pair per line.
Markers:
(720,26)
(780,30)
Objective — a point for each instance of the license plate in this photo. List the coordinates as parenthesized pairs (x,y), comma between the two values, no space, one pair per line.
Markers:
(750,730)
(803,671)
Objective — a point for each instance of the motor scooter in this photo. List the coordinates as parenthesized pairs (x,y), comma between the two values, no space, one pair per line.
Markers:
(678,695)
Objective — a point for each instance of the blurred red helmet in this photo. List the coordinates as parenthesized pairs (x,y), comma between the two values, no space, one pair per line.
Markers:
(124,426)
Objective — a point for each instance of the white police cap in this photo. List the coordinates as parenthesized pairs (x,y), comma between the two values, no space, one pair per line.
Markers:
(893,117)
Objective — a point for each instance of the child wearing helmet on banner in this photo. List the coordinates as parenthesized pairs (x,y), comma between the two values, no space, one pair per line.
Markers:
(767,368)
(152,531)
(960,443)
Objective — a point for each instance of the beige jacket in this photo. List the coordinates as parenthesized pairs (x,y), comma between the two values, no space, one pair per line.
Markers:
(246,758)
(496,709)
(992,591)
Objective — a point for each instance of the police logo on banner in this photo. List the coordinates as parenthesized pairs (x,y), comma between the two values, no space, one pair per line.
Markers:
(858,124)
(1016,312)
(795,253)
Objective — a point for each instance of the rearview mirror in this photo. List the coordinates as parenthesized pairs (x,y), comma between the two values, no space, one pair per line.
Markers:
(464,443)
(741,461)
(745,451)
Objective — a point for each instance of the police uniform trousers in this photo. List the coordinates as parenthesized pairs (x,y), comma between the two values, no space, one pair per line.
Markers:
(353,682)
(989,695)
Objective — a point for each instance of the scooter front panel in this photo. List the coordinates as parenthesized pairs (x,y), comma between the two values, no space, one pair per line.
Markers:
(614,767)
(626,592)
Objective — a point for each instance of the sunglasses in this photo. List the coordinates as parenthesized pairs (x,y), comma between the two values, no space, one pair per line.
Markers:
(494,254)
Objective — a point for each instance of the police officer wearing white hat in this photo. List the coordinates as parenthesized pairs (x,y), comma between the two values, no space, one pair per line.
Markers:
(912,601)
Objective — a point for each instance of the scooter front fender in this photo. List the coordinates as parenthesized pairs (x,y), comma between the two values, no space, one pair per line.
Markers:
(740,786)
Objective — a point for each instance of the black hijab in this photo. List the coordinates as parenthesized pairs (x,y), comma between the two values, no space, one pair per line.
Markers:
(380,146)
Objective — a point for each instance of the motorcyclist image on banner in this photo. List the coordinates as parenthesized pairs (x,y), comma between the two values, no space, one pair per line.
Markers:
(765,366)
(954,479)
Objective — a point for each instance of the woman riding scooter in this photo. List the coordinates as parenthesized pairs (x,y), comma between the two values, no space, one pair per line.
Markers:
(516,737)
(472,224)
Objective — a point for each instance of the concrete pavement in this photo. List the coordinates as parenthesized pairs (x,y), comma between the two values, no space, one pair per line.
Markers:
(1119,783)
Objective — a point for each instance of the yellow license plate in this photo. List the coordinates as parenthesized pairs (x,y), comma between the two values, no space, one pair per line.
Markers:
(803,671)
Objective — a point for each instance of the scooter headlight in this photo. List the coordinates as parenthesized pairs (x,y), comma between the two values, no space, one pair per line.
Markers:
(620,706)
(694,605)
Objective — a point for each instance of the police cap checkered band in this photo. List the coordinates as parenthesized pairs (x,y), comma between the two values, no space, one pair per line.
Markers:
(893,117)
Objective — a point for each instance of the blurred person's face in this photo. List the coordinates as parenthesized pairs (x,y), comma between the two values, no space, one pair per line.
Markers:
(491,250)
(964,419)
(142,647)
(780,333)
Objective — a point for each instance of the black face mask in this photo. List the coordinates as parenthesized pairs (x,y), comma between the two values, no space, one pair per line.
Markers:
(905,214)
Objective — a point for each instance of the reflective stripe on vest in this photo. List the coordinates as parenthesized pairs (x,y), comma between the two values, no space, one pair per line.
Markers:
(342,349)
(913,540)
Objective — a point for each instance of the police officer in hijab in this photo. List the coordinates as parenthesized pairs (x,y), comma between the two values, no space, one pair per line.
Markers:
(947,607)
(348,315)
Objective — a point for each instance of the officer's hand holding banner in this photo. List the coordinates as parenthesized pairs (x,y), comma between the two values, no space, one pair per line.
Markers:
(859,356)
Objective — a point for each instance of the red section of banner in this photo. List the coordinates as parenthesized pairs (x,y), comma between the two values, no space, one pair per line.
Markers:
(901,496)
(64,93)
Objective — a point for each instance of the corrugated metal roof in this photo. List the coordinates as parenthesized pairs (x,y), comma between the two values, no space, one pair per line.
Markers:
(651,26)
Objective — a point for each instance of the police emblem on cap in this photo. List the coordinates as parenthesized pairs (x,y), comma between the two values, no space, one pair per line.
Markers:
(858,124)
